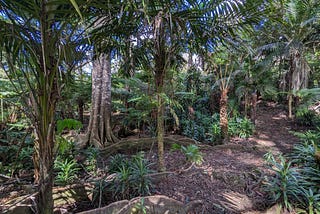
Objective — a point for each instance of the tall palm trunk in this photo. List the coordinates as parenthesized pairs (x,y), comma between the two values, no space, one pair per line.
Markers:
(224,115)
(160,71)
(46,144)
(44,104)
(160,132)
(99,131)
(43,109)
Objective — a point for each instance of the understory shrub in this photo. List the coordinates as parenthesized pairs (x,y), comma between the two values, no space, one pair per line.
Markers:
(295,183)
(306,117)
(65,165)
(240,127)
(129,178)
(90,164)
(16,149)
(206,128)
(198,128)
(67,170)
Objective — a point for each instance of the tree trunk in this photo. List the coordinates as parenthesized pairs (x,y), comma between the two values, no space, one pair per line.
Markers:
(44,105)
(46,172)
(160,133)
(160,72)
(246,104)
(99,131)
(80,110)
(254,100)
(290,101)
(299,72)
(43,112)
(224,115)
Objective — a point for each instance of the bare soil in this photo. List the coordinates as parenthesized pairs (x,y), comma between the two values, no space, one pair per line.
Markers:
(231,176)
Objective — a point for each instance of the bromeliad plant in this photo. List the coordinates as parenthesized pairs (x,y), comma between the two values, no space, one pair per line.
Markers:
(297,177)
(131,176)
(284,186)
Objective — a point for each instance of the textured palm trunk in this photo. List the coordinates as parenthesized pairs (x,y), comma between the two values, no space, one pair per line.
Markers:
(43,108)
(224,115)
(160,71)
(99,131)
(299,72)
(43,103)
(46,144)
(160,133)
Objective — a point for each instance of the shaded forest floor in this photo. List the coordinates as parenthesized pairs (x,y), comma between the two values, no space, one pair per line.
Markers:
(231,176)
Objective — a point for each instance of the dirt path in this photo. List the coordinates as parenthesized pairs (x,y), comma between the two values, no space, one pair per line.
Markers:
(273,129)
(230,178)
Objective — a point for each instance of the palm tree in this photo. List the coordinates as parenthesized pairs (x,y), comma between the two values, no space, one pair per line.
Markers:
(231,21)
(165,28)
(295,34)
(169,27)
(36,38)
(224,71)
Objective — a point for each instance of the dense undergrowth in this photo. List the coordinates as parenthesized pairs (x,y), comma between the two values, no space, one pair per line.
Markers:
(188,112)
(296,179)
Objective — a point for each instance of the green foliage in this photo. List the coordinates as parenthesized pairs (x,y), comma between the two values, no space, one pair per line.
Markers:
(284,186)
(306,117)
(197,128)
(206,128)
(16,150)
(117,162)
(308,98)
(305,155)
(25,157)
(241,127)
(311,202)
(297,178)
(140,171)
(309,137)
(77,92)
(191,152)
(216,132)
(131,178)
(14,160)
(67,170)
(140,207)
(64,146)
(90,163)
(68,124)
(121,185)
